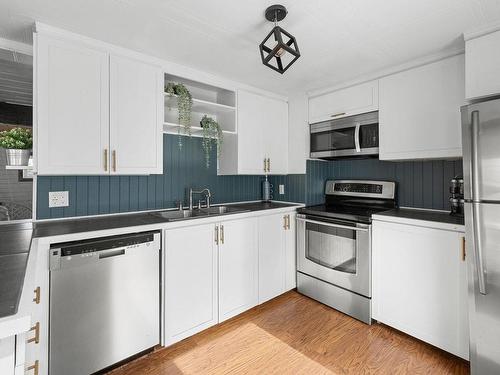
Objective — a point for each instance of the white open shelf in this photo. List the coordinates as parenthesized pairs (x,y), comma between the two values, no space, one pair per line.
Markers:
(215,102)
(196,131)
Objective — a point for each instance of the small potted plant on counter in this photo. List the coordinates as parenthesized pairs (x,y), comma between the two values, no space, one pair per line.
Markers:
(17,143)
(211,132)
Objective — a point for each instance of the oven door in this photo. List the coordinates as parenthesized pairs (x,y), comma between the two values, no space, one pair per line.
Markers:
(335,251)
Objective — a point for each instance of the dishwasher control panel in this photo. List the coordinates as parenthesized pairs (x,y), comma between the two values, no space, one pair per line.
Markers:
(87,251)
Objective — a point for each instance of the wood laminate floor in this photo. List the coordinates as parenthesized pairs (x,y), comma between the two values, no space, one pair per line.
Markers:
(293,334)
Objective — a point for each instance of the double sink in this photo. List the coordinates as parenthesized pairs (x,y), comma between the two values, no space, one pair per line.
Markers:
(198,213)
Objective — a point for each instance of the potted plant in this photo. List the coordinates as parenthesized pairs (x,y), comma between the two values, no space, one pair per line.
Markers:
(211,132)
(17,143)
(184,105)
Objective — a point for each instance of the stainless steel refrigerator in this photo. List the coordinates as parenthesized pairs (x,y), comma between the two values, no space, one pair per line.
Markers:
(481,158)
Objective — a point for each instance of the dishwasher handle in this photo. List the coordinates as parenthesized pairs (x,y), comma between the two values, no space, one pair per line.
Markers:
(111,253)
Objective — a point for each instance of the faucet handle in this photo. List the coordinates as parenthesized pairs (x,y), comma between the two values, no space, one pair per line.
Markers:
(178,205)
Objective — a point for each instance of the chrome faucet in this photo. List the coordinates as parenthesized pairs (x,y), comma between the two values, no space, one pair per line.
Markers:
(208,195)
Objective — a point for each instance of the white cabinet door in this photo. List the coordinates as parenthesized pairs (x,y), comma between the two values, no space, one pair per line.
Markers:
(262,134)
(290,253)
(272,256)
(136,117)
(419,284)
(238,267)
(7,355)
(72,106)
(342,103)
(420,111)
(482,62)
(250,144)
(190,269)
(275,135)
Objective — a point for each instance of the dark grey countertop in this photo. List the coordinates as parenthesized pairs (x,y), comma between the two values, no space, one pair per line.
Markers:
(426,215)
(70,226)
(15,240)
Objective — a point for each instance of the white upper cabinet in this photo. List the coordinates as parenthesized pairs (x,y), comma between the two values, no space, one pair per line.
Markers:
(261,144)
(96,114)
(420,111)
(136,117)
(482,66)
(72,107)
(342,103)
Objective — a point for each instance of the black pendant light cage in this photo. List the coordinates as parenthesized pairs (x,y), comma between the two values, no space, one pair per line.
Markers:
(279,49)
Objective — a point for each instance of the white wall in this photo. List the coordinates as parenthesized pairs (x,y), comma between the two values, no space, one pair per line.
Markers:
(298,133)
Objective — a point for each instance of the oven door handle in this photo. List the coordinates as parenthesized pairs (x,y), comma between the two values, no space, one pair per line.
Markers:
(332,225)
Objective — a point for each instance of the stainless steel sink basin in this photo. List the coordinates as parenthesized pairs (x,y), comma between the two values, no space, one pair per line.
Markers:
(174,215)
(196,213)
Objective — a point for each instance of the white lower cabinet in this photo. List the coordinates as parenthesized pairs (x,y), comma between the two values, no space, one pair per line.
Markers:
(190,268)
(7,355)
(238,270)
(277,264)
(419,284)
(215,271)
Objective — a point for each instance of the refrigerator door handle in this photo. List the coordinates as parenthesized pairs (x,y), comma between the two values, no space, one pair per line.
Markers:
(474,160)
(478,249)
(476,213)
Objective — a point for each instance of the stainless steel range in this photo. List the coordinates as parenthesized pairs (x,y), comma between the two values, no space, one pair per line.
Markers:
(334,244)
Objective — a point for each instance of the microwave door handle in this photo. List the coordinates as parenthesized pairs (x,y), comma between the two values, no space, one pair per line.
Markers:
(332,225)
(356,137)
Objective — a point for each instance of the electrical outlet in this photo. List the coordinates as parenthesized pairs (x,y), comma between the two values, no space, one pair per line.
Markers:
(58,199)
(282,189)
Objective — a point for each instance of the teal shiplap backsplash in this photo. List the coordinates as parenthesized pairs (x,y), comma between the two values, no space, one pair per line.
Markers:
(422,184)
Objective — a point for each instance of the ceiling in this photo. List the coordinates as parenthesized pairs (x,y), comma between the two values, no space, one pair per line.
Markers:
(339,40)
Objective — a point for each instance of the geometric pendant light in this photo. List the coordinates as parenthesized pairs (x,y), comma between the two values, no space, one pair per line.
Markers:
(279,49)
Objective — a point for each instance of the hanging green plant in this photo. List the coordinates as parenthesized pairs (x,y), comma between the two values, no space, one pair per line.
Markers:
(211,132)
(184,106)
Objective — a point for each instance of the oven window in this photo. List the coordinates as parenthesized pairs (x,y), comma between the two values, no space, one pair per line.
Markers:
(340,139)
(331,247)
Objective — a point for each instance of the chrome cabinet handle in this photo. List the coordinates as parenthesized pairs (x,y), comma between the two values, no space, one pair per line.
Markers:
(105,159)
(216,234)
(222,234)
(37,295)
(333,225)
(36,338)
(114,160)
(284,222)
(338,114)
(288,221)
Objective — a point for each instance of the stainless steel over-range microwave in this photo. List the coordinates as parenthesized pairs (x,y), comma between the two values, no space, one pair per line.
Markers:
(346,137)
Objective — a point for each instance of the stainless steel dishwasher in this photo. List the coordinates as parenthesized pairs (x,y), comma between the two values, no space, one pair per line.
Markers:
(104,301)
